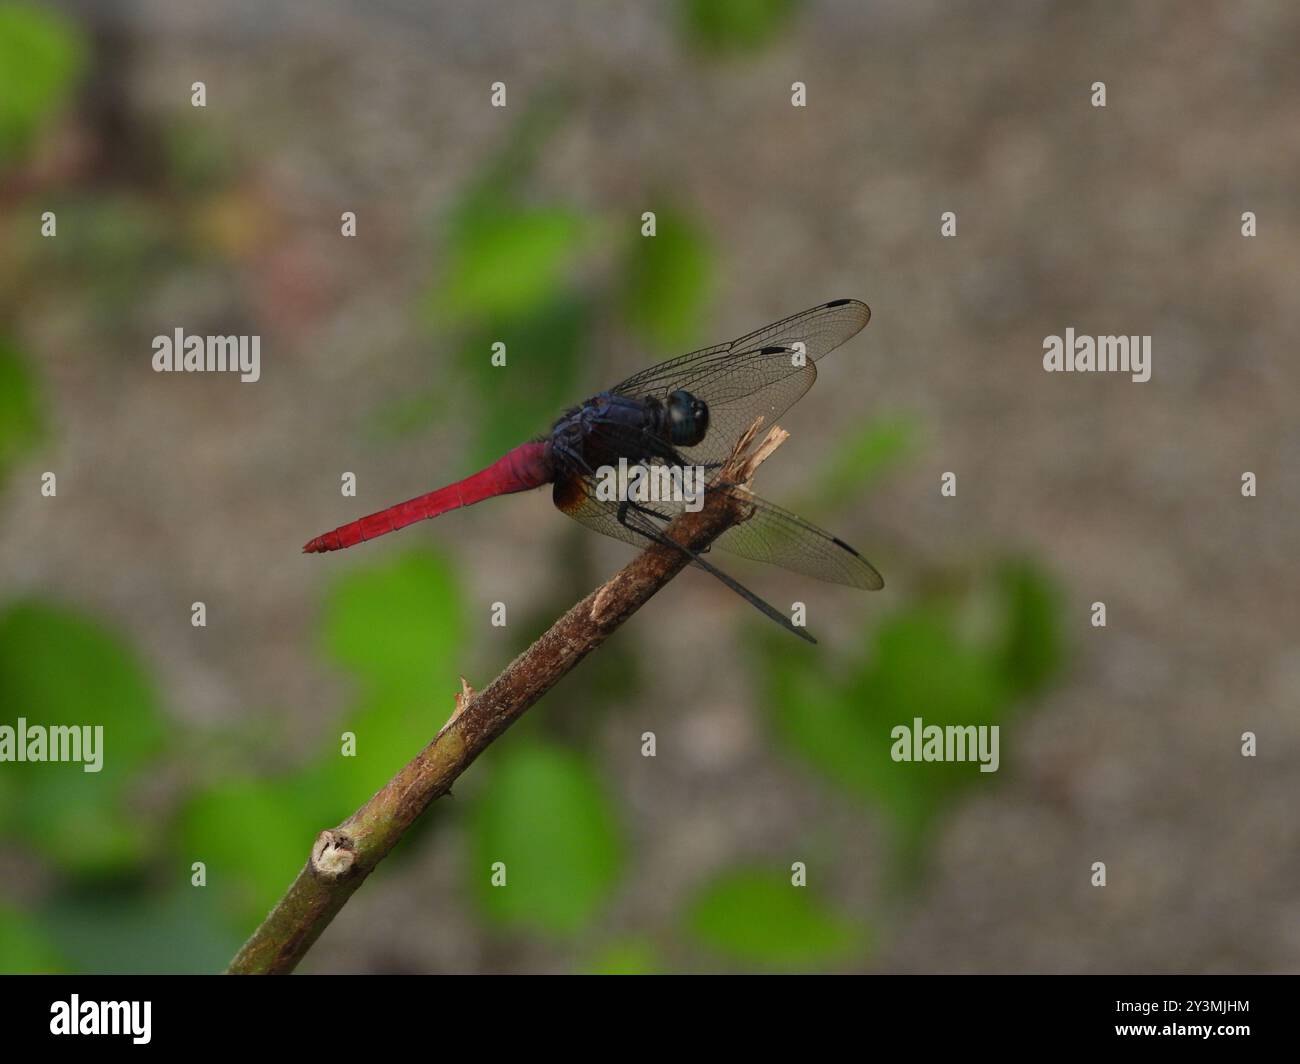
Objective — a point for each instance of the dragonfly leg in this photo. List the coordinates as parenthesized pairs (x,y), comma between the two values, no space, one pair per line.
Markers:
(656,536)
(568,454)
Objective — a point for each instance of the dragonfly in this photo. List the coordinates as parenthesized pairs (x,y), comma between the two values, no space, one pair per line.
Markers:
(686,413)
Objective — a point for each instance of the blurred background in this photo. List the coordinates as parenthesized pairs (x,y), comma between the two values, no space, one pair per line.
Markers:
(1119,744)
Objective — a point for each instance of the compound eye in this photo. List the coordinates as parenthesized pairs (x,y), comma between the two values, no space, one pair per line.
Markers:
(687,419)
(700,410)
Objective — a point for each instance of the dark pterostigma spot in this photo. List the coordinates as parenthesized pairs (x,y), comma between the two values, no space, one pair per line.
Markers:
(840,543)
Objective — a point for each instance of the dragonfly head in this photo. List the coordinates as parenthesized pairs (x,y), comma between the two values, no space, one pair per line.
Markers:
(688,419)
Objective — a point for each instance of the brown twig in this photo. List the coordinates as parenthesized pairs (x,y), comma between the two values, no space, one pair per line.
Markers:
(342,857)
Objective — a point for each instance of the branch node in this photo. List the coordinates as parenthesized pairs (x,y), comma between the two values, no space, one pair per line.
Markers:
(463,698)
(333,855)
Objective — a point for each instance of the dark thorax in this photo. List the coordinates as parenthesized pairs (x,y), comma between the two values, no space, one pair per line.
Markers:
(609,427)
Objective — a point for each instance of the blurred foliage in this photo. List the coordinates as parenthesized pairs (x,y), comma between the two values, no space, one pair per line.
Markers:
(127,246)
(1030,651)
(395,626)
(545,349)
(123,243)
(395,623)
(505,260)
(50,660)
(58,667)
(879,446)
(21,416)
(546,817)
(174,930)
(506,279)
(25,949)
(41,56)
(757,917)
(608,681)
(734,25)
(252,834)
(951,657)
(515,269)
(135,191)
(669,282)
(198,158)
(629,957)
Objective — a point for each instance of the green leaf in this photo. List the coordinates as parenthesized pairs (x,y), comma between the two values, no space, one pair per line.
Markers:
(391,726)
(21,421)
(25,949)
(507,173)
(928,661)
(1031,647)
(254,836)
(545,346)
(397,624)
(41,55)
(812,713)
(544,349)
(733,25)
(759,918)
(85,823)
(58,668)
(547,818)
(630,957)
(920,668)
(880,445)
(668,281)
(505,259)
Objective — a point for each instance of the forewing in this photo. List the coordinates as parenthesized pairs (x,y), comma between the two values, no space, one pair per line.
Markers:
(820,329)
(762,373)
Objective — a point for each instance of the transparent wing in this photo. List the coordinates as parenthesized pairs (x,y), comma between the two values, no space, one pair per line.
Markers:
(778,537)
(770,534)
(763,373)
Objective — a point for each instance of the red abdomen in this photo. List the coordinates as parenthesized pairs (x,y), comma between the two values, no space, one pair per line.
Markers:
(527,466)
